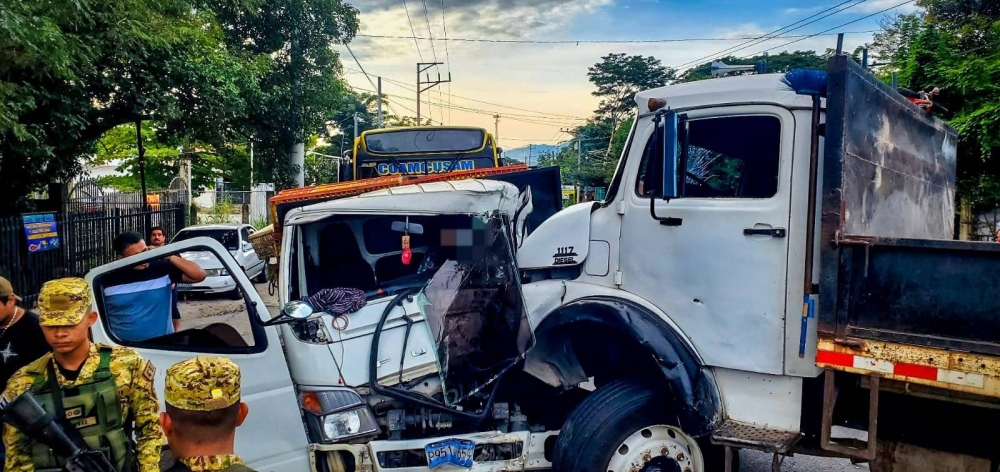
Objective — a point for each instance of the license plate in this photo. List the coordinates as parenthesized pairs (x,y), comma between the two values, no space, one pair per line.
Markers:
(183,286)
(450,451)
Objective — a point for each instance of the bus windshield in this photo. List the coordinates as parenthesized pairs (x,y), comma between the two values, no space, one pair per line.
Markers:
(419,141)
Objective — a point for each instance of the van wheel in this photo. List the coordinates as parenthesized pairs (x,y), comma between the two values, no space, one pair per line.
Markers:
(622,428)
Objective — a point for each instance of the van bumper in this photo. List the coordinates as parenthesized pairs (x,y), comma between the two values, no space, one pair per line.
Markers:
(375,456)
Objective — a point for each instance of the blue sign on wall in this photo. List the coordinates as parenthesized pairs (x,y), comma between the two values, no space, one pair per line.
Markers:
(42,231)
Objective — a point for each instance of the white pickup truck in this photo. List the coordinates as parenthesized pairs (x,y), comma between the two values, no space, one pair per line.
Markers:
(767,266)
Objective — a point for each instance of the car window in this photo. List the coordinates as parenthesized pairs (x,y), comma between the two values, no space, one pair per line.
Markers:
(226,237)
(150,306)
(245,234)
(728,157)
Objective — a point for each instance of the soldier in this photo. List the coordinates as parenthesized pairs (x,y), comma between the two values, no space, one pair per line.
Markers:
(70,382)
(203,410)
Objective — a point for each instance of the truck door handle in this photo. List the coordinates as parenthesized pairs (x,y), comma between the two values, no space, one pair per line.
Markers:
(773,232)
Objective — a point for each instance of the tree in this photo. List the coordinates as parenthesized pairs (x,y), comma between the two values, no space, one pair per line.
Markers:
(780,63)
(618,77)
(70,70)
(955,46)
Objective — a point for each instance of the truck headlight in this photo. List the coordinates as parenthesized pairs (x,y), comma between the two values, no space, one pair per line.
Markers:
(348,424)
(340,414)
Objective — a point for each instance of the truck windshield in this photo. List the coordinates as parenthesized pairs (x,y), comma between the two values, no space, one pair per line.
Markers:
(475,313)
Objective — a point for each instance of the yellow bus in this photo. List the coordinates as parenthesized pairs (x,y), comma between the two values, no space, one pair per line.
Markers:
(421,150)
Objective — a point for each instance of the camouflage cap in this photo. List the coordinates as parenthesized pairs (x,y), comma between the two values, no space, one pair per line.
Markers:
(202,384)
(64,302)
(6,290)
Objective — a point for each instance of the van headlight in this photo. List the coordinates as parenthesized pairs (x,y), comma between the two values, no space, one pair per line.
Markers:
(340,414)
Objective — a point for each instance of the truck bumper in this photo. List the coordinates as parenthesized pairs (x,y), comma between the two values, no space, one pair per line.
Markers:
(372,456)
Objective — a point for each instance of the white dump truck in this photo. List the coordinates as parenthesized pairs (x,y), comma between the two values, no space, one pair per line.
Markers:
(772,263)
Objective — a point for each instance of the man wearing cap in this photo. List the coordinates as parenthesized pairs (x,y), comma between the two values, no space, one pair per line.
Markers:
(203,410)
(21,339)
(75,377)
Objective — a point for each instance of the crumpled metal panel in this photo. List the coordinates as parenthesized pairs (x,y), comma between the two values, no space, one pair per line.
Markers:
(889,167)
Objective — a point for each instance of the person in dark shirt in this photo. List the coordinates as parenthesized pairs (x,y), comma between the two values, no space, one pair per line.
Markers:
(21,338)
(158,238)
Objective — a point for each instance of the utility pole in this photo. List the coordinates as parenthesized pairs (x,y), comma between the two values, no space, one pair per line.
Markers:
(421,68)
(355,127)
(496,127)
(380,102)
(251,164)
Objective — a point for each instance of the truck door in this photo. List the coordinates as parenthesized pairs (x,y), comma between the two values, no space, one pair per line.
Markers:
(273,436)
(717,266)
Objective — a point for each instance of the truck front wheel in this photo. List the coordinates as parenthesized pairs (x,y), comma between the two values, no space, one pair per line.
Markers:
(623,427)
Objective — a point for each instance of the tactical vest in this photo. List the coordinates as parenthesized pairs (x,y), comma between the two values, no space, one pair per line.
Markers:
(93,408)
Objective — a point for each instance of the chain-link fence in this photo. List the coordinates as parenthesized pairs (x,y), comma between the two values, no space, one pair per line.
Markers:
(233,207)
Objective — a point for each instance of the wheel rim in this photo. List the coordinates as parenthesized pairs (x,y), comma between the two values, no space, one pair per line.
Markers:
(659,448)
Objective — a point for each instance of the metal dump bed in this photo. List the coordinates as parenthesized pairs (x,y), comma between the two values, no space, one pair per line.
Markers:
(889,269)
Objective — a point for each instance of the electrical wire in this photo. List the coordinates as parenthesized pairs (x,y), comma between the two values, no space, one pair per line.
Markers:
(356,61)
(772,35)
(554,115)
(413,31)
(520,118)
(835,27)
(447,54)
(583,41)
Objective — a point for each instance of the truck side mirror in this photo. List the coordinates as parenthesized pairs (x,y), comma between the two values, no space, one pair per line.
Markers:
(667,169)
(667,173)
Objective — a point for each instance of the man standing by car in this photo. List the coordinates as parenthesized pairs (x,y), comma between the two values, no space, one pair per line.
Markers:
(79,374)
(21,339)
(158,238)
(138,301)
(203,410)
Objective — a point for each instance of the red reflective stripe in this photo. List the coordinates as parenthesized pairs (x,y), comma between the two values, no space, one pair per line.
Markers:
(835,358)
(916,371)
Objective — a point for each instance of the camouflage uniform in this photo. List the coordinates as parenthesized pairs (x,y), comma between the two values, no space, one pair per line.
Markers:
(204,384)
(65,302)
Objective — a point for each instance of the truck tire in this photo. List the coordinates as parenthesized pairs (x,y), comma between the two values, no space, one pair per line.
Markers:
(622,427)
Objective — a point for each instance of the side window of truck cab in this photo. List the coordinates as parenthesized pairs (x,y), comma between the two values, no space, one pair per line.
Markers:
(727,157)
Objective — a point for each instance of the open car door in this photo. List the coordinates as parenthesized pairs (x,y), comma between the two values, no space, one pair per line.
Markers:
(130,294)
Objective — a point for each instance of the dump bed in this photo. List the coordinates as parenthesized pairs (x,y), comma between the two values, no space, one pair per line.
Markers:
(895,289)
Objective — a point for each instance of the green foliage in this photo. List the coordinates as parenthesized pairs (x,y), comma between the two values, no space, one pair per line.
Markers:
(210,74)
(218,214)
(782,62)
(618,77)
(955,46)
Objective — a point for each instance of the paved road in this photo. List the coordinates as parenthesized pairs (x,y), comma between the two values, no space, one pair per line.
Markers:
(752,461)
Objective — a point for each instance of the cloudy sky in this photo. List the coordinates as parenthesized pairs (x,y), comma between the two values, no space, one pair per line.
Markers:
(540,88)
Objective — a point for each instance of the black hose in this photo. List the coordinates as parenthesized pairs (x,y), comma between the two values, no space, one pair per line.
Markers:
(406,396)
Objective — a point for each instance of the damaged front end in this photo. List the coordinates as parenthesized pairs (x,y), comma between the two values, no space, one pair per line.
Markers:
(425,360)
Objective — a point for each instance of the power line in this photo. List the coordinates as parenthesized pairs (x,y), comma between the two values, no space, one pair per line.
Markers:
(554,115)
(447,54)
(772,34)
(521,118)
(356,61)
(582,41)
(838,26)
(414,32)
(427,17)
